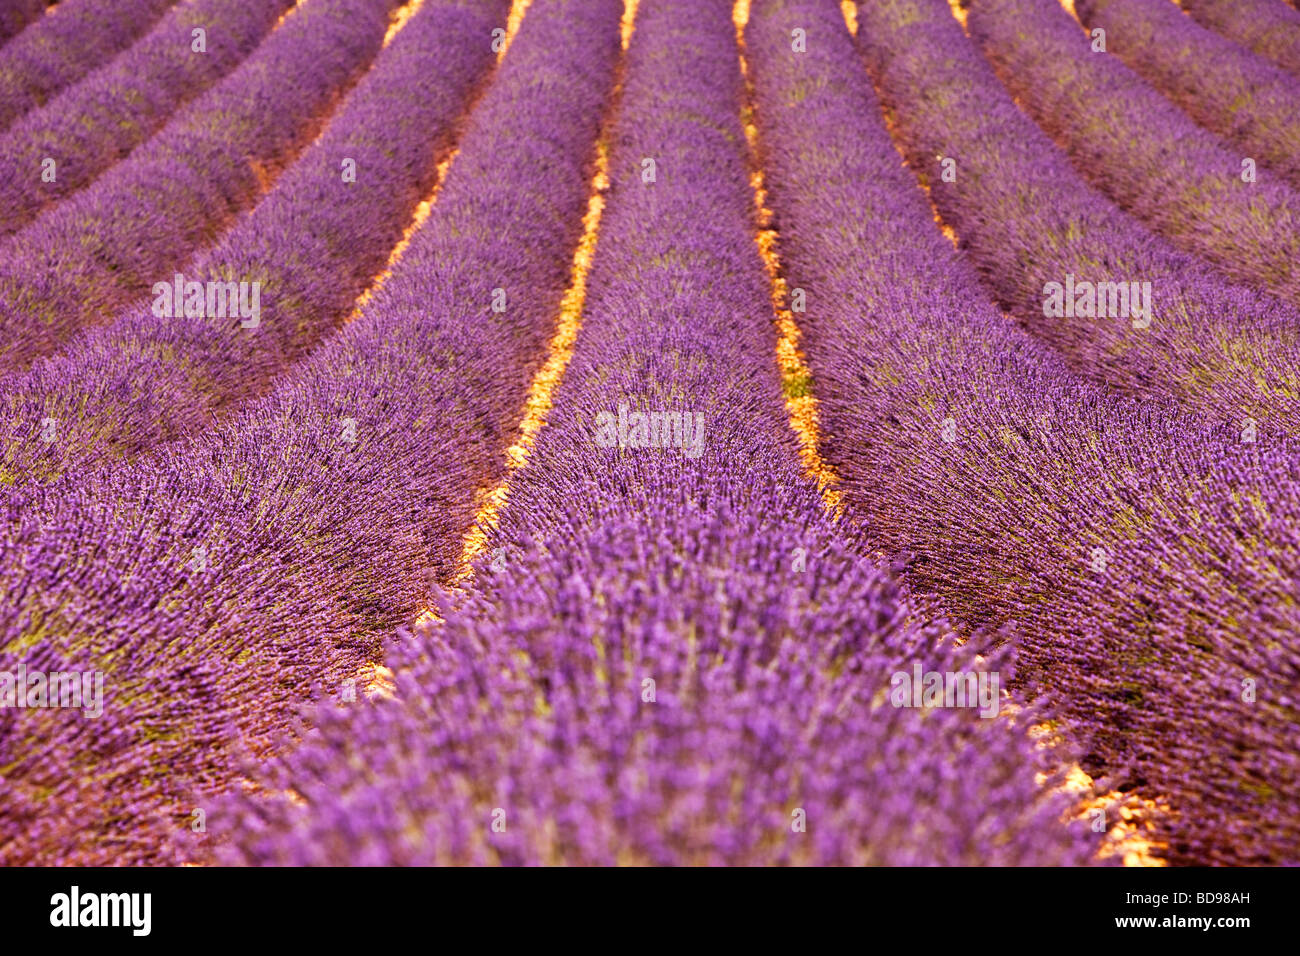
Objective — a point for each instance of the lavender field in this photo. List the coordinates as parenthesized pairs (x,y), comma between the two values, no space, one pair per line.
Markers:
(649,432)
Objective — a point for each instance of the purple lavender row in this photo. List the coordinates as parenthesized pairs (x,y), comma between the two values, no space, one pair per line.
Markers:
(17,14)
(1143,564)
(85,259)
(671,653)
(58,50)
(63,146)
(217,583)
(1046,242)
(289,272)
(1134,145)
(1264,27)
(1246,100)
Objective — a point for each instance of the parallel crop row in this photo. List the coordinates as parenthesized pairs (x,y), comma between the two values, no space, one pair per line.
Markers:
(107,245)
(57,50)
(89,127)
(311,245)
(1262,26)
(1246,100)
(647,671)
(230,575)
(1140,149)
(1028,221)
(1144,567)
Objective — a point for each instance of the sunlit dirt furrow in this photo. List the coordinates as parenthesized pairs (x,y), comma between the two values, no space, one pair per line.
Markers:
(1068,7)
(284,16)
(957,11)
(1132,837)
(849,8)
(515,17)
(374,679)
(796,377)
(400,16)
(269,173)
(418,218)
(560,350)
(548,377)
(425,206)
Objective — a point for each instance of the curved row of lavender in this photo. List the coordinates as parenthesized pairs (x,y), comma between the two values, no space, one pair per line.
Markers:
(85,259)
(1145,565)
(649,674)
(94,124)
(1140,149)
(312,246)
(1227,352)
(1248,101)
(1265,27)
(216,583)
(59,49)
(15,15)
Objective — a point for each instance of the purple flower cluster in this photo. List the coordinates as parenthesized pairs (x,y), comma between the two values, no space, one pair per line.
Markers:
(1246,100)
(312,244)
(529,706)
(88,257)
(58,50)
(1140,149)
(219,582)
(665,657)
(1145,565)
(1262,26)
(1025,217)
(95,123)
